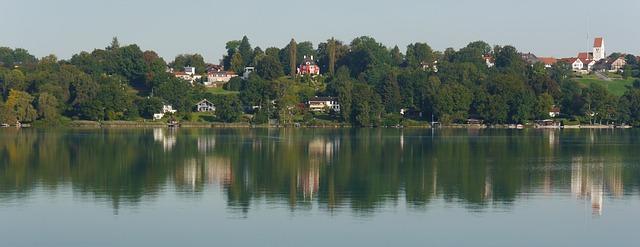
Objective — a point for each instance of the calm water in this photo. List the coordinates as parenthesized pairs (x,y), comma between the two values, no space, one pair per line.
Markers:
(317,187)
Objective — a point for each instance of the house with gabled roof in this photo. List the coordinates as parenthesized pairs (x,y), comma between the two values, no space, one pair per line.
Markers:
(205,106)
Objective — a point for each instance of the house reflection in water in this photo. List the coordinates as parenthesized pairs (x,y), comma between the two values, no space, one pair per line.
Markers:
(309,181)
(592,180)
(206,143)
(165,136)
(218,171)
(323,148)
(195,173)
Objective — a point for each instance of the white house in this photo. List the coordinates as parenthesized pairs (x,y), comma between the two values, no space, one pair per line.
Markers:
(218,77)
(189,75)
(319,104)
(168,109)
(247,72)
(554,112)
(165,109)
(205,106)
(617,64)
(190,70)
(576,64)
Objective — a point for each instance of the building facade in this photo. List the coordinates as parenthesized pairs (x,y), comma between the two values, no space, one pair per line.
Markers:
(205,106)
(308,67)
(319,104)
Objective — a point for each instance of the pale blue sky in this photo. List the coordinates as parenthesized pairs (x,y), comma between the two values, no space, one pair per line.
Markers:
(545,27)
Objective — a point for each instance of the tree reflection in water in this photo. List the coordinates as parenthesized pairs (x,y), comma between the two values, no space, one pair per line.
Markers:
(331,169)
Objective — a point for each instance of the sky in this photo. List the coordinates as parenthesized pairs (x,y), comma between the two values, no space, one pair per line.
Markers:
(559,28)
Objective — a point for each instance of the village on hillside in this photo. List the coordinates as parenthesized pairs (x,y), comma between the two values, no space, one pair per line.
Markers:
(361,83)
(596,62)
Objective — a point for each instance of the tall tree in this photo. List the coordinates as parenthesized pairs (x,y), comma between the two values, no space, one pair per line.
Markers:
(390,93)
(293,54)
(331,47)
(246,51)
(237,63)
(396,56)
(115,44)
(232,48)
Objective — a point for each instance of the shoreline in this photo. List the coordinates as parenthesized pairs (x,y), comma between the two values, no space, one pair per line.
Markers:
(152,124)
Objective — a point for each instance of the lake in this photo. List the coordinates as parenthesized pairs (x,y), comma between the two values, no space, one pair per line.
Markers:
(319,187)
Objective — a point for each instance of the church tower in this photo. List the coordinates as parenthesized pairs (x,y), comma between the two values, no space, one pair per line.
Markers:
(598,49)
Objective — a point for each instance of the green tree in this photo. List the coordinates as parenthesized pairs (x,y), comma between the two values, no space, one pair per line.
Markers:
(232,48)
(332,54)
(245,51)
(342,86)
(269,68)
(7,116)
(115,44)
(390,93)
(13,80)
(293,54)
(228,108)
(178,93)
(419,55)
(543,106)
(396,56)
(452,103)
(47,107)
(189,60)
(21,104)
(629,107)
(237,63)
(149,106)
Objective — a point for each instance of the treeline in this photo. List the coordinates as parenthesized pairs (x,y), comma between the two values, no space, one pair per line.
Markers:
(115,83)
(372,82)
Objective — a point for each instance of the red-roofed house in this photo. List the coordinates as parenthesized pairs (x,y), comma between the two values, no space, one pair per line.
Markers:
(488,60)
(308,67)
(585,56)
(576,64)
(548,61)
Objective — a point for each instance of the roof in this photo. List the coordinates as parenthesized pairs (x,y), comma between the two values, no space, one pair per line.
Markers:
(584,56)
(568,60)
(316,98)
(548,60)
(222,73)
(529,58)
(203,101)
(598,42)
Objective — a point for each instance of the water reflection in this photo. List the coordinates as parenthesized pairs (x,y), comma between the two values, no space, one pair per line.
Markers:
(362,170)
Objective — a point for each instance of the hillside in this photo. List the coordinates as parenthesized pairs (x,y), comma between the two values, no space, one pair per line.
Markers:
(617,85)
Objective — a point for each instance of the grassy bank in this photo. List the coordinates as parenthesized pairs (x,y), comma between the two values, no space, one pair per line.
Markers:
(617,85)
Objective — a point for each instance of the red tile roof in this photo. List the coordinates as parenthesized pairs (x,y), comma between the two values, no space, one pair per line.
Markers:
(584,56)
(548,60)
(569,60)
(597,42)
